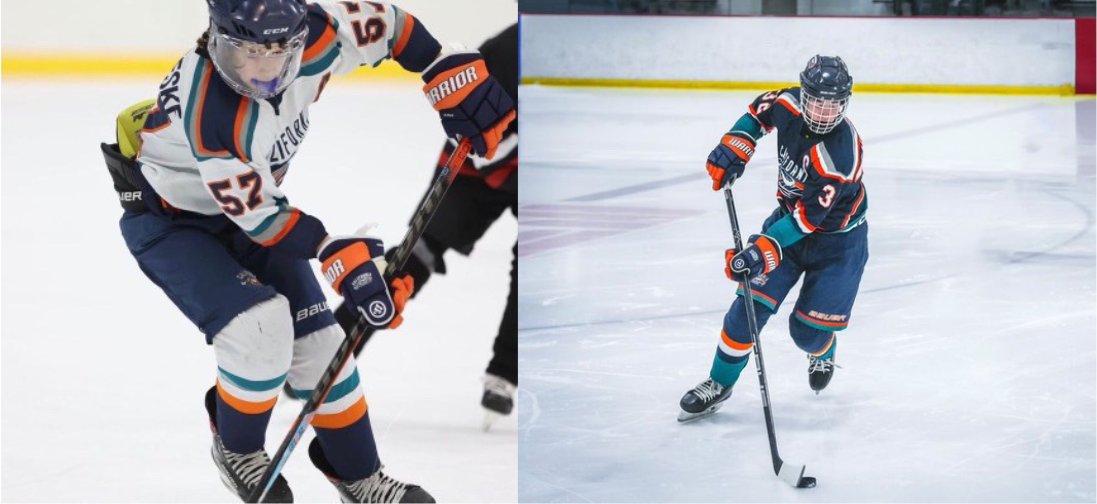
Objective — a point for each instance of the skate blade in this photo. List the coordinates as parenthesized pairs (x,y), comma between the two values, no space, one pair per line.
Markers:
(685,416)
(490,417)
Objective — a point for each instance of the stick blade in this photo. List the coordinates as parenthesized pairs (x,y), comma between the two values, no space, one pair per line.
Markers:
(794,476)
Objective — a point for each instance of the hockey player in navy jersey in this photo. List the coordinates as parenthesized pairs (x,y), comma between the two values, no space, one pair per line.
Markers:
(199,173)
(818,230)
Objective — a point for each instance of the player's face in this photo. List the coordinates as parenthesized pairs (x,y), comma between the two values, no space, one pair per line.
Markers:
(823,111)
(259,65)
(255,69)
(822,114)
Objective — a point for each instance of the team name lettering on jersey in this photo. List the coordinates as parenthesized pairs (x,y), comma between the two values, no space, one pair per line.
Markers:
(168,98)
(452,85)
(790,168)
(285,145)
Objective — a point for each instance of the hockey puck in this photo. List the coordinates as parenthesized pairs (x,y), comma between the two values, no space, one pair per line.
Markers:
(806,482)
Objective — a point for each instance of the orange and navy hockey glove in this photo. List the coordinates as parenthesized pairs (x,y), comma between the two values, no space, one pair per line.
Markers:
(763,255)
(354,266)
(729,159)
(470,102)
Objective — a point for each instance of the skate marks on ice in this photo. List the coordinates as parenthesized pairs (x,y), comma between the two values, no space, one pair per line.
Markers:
(968,370)
(547,227)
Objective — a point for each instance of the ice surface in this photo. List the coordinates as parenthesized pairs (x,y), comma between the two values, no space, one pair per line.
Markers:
(969,366)
(103,378)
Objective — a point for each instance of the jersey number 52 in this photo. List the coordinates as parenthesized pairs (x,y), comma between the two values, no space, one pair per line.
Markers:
(232,205)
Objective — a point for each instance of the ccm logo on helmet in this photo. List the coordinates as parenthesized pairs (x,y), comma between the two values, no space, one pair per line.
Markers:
(452,85)
(274,31)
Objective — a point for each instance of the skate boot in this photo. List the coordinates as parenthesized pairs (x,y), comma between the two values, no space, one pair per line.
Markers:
(241,471)
(378,487)
(498,399)
(820,370)
(703,400)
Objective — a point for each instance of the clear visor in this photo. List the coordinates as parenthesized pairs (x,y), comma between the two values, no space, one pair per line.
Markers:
(822,114)
(257,70)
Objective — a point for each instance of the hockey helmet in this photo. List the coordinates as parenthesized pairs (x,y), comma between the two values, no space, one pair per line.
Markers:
(257,45)
(825,87)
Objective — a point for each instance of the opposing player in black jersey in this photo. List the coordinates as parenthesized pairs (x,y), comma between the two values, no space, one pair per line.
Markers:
(483,190)
(818,229)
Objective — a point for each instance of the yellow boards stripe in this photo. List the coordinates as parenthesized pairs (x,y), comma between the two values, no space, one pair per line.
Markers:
(129,66)
(1063,90)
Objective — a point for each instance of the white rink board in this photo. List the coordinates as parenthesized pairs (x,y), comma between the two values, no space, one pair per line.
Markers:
(171,26)
(104,379)
(969,369)
(878,50)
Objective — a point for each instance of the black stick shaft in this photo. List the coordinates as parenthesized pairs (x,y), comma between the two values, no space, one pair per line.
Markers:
(752,324)
(342,354)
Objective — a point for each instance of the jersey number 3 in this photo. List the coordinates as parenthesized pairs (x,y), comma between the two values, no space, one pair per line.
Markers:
(232,205)
(827,198)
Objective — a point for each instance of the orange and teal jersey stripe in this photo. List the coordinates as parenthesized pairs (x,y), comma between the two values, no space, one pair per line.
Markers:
(276,226)
(192,119)
(219,123)
(323,45)
(405,25)
(243,129)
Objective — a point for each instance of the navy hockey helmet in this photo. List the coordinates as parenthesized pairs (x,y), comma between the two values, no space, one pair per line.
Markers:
(257,45)
(825,87)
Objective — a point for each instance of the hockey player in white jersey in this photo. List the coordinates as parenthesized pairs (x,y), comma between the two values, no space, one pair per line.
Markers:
(206,221)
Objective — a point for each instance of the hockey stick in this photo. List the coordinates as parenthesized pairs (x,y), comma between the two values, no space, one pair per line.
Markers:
(418,223)
(793,475)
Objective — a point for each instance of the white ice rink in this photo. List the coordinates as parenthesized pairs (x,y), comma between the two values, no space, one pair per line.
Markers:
(103,378)
(968,370)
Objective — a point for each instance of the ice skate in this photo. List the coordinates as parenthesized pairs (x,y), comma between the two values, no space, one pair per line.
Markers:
(378,487)
(703,400)
(241,471)
(820,370)
(498,399)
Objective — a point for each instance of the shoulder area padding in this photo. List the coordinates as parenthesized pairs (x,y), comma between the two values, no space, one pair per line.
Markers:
(789,99)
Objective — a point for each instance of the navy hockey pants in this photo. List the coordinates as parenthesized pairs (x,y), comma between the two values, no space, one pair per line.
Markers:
(213,272)
(831,266)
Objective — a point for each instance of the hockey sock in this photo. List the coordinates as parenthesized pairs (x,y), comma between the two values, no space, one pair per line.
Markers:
(350,449)
(731,358)
(735,341)
(828,351)
(342,420)
(253,353)
(811,340)
(242,431)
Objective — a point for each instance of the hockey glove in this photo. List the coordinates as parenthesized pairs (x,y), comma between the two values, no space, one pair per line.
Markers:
(763,255)
(354,266)
(470,102)
(728,160)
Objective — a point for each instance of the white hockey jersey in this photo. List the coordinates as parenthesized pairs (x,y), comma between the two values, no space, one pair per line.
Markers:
(208,150)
